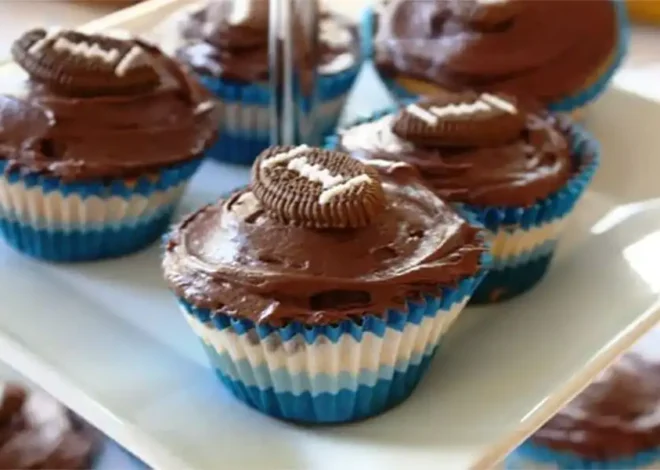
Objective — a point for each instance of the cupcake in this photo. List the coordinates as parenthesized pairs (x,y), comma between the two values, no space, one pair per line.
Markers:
(322,291)
(559,53)
(613,424)
(38,432)
(226,43)
(518,172)
(98,137)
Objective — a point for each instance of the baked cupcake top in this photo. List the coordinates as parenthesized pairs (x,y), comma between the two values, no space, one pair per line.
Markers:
(95,106)
(545,49)
(615,417)
(480,149)
(229,39)
(318,238)
(38,432)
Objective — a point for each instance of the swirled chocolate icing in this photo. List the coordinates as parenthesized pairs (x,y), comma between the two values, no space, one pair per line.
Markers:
(232,258)
(517,173)
(229,39)
(105,136)
(37,432)
(545,49)
(617,416)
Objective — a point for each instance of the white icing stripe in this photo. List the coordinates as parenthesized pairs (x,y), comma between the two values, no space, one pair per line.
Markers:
(127,61)
(284,157)
(342,187)
(87,50)
(51,35)
(498,102)
(315,173)
(460,109)
(332,185)
(423,114)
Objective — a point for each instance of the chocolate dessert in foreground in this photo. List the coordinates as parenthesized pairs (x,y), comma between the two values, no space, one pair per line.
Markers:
(323,267)
(37,432)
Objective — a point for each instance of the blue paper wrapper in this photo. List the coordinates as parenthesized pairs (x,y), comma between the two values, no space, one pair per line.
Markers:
(523,239)
(579,99)
(530,453)
(335,373)
(48,218)
(244,127)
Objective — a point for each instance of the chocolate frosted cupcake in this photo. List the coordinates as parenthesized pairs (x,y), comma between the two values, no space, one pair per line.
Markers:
(98,138)
(322,291)
(613,424)
(560,53)
(520,173)
(226,43)
(38,432)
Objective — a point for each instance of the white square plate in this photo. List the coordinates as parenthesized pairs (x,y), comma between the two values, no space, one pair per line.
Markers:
(107,338)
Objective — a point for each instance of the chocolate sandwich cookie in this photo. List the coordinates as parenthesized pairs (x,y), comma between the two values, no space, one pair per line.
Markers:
(561,54)
(108,123)
(283,280)
(518,171)
(37,432)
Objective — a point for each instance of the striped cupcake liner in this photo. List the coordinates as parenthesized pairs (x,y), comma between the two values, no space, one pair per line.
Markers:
(587,94)
(245,123)
(329,374)
(523,239)
(50,219)
(533,456)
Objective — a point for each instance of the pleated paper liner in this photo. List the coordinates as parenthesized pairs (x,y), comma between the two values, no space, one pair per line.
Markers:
(329,374)
(245,123)
(54,220)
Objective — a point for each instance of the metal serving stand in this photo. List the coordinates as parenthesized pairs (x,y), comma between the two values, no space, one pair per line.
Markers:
(293,25)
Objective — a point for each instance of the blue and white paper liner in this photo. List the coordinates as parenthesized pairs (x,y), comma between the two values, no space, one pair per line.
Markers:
(523,239)
(568,104)
(245,122)
(54,220)
(329,374)
(531,456)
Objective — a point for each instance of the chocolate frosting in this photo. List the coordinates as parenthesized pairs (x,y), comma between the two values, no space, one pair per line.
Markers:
(36,432)
(232,258)
(545,49)
(78,138)
(615,417)
(229,39)
(518,173)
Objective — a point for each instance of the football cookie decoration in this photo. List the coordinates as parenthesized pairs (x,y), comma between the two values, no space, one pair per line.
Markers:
(78,64)
(317,188)
(460,119)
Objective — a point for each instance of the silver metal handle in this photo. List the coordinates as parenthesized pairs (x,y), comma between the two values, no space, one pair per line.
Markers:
(292,38)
